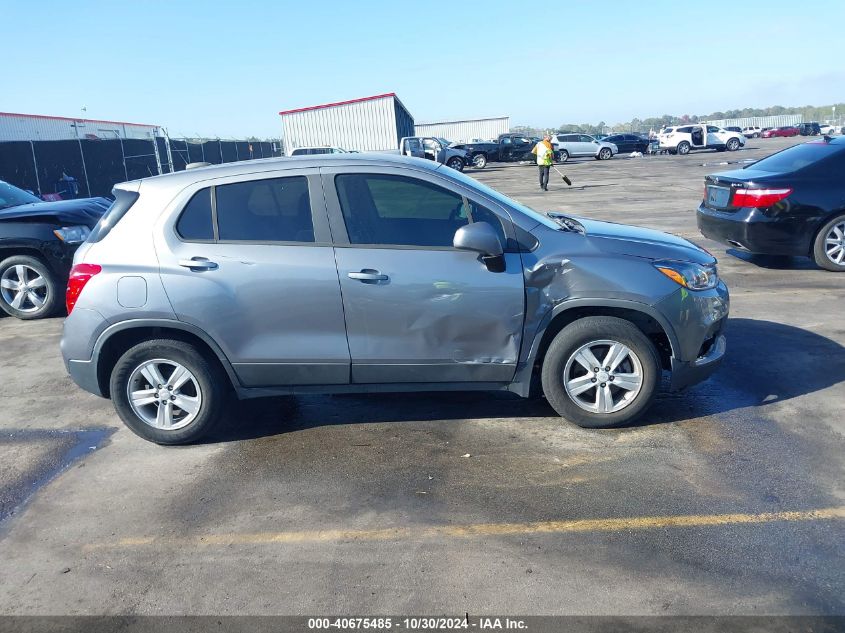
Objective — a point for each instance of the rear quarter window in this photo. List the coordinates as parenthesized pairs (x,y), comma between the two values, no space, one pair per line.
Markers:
(195,223)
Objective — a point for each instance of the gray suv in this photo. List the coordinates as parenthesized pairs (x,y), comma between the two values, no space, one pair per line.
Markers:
(369,273)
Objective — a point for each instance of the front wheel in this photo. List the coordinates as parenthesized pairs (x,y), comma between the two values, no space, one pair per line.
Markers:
(479,161)
(829,246)
(605,153)
(167,392)
(28,288)
(456,163)
(683,148)
(564,156)
(601,372)
(733,145)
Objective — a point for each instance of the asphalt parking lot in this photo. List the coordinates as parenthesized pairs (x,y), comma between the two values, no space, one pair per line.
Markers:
(725,499)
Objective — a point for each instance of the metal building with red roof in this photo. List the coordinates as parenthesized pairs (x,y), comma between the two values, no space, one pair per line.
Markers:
(374,123)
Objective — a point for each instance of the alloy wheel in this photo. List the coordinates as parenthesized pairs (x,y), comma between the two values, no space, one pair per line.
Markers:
(603,376)
(23,288)
(164,394)
(834,244)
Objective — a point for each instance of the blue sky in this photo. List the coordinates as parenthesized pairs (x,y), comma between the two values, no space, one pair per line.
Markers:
(226,69)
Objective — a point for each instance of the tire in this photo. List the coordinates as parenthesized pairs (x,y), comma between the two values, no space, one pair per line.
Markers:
(683,148)
(600,335)
(206,388)
(605,153)
(829,245)
(564,156)
(479,161)
(732,145)
(43,288)
(455,163)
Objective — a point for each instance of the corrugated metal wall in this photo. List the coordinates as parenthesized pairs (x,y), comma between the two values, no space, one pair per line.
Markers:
(779,120)
(367,125)
(464,131)
(18,127)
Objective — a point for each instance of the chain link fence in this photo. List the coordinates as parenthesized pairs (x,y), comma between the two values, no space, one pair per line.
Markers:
(91,167)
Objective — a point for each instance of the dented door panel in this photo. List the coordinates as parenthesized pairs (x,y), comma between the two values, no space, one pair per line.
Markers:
(439,316)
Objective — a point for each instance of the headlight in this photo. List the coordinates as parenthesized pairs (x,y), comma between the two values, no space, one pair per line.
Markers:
(690,275)
(73,234)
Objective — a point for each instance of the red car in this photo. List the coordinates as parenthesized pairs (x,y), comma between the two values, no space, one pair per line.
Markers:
(786,130)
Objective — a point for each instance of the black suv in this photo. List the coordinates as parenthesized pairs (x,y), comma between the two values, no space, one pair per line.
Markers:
(809,129)
(37,243)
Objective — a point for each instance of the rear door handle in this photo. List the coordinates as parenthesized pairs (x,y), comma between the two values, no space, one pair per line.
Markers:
(198,263)
(368,274)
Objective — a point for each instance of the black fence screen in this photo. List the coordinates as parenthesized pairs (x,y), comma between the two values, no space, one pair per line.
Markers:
(87,168)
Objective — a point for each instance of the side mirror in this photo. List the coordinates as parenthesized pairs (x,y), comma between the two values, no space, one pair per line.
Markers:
(481,238)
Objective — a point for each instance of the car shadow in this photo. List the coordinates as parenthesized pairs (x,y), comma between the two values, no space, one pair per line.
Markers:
(766,362)
(774,262)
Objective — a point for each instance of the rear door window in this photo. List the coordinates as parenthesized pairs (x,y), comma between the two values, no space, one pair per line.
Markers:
(272,210)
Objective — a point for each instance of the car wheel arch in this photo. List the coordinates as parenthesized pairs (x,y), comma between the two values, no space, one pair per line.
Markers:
(820,224)
(648,320)
(120,337)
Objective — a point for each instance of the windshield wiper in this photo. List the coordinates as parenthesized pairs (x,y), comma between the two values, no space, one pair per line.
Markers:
(567,223)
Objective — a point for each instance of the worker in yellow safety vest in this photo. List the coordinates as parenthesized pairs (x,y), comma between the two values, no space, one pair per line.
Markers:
(545,156)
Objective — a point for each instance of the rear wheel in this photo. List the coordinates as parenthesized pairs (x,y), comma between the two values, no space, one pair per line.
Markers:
(479,161)
(28,288)
(829,246)
(732,145)
(683,148)
(167,392)
(601,372)
(456,163)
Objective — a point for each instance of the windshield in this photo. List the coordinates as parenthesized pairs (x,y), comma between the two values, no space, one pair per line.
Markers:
(501,198)
(797,157)
(443,142)
(11,196)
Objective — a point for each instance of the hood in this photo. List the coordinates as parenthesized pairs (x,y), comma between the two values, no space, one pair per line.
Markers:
(624,239)
(84,211)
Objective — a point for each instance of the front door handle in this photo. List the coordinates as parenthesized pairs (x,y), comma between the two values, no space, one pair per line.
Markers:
(368,274)
(198,263)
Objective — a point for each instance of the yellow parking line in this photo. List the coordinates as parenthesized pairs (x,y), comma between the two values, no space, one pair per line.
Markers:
(478,529)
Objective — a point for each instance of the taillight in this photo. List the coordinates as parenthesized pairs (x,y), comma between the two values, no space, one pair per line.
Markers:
(759,198)
(79,276)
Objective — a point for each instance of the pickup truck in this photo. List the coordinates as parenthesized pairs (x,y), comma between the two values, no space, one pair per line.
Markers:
(433,148)
(507,148)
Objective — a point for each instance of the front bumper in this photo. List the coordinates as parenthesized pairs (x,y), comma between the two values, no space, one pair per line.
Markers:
(751,230)
(687,373)
(698,319)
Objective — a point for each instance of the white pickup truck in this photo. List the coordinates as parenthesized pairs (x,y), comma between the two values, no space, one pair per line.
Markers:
(436,149)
